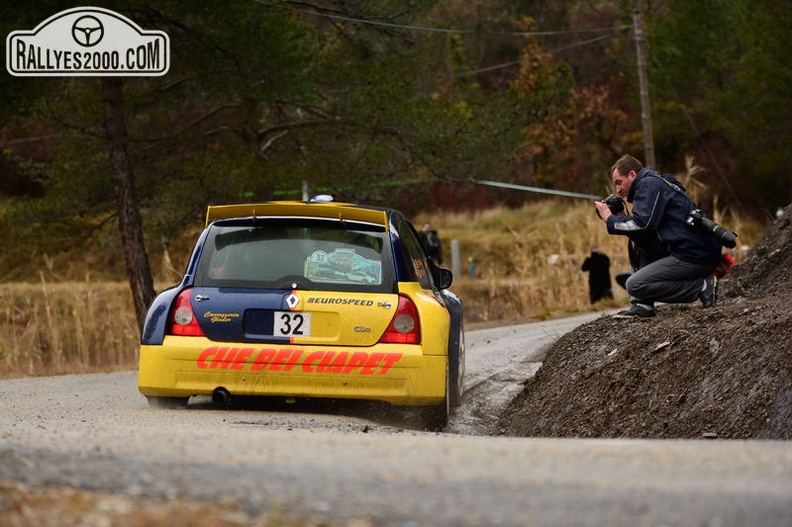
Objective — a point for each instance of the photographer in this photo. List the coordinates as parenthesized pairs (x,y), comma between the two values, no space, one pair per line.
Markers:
(684,256)
(597,265)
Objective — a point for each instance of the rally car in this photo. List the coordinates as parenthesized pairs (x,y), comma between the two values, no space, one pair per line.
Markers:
(307,300)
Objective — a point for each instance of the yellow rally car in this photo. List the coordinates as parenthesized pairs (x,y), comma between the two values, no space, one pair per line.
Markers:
(301,299)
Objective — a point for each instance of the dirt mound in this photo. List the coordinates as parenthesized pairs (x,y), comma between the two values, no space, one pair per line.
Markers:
(690,372)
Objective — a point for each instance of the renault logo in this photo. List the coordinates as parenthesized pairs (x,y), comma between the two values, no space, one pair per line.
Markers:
(292,301)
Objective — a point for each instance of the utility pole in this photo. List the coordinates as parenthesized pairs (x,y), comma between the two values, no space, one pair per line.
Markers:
(306,195)
(643,85)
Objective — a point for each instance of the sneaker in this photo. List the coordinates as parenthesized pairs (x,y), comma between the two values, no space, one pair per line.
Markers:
(709,297)
(636,310)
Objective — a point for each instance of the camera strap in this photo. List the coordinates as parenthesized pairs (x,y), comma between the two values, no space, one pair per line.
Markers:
(725,236)
(675,187)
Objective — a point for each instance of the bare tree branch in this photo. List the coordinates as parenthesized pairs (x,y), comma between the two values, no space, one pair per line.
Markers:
(271,140)
(277,128)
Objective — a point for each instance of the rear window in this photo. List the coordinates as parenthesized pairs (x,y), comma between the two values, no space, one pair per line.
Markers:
(315,254)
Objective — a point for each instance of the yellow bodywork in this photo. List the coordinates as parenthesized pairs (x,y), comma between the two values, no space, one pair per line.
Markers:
(401,374)
(365,315)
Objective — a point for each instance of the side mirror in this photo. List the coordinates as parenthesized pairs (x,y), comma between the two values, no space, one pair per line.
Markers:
(442,276)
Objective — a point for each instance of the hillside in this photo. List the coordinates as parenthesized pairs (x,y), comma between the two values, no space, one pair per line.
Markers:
(724,372)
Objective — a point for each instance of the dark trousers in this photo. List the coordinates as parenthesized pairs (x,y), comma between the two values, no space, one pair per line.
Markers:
(668,280)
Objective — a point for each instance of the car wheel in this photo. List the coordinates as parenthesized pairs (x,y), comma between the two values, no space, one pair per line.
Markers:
(170,403)
(457,369)
(435,417)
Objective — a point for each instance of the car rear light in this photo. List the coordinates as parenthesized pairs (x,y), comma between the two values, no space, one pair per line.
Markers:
(183,319)
(405,327)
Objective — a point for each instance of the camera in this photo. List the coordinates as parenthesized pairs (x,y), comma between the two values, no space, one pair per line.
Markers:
(615,204)
(725,236)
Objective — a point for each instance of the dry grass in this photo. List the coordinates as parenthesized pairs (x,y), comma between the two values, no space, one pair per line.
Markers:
(527,268)
(527,261)
(66,327)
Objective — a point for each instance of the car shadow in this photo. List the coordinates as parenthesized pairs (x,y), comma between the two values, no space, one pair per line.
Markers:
(371,413)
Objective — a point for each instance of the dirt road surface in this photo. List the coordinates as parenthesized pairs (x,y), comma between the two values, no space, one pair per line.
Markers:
(87,450)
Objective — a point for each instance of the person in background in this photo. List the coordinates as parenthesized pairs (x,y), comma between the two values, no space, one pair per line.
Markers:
(472,267)
(597,264)
(661,208)
(431,243)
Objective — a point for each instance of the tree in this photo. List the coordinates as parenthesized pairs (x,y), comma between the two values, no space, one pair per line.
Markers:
(360,97)
(160,128)
(129,222)
(722,83)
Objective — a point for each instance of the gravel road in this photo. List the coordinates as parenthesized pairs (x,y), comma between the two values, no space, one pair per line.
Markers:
(362,464)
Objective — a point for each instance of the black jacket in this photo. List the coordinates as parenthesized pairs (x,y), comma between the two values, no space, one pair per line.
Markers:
(660,211)
(598,266)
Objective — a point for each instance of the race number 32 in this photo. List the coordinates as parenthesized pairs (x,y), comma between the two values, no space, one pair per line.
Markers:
(288,324)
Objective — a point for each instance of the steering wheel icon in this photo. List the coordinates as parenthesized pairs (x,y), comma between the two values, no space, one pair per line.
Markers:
(87,31)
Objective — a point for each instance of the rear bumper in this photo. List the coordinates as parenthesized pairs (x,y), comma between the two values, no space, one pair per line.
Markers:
(398,374)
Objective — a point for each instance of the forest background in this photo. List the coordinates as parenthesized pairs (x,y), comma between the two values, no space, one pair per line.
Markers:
(401,103)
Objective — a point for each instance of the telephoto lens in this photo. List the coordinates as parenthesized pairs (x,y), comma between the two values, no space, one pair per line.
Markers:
(724,235)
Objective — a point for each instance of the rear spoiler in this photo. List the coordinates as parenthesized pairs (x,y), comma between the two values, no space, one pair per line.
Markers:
(338,211)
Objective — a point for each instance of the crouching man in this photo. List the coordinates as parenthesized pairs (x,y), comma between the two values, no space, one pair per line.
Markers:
(660,211)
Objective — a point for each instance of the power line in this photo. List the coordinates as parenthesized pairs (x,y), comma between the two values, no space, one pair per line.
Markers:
(612,31)
(516,62)
(444,30)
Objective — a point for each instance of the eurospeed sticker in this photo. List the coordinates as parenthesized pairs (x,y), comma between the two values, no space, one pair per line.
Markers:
(87,42)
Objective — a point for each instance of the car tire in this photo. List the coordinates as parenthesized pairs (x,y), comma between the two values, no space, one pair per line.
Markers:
(435,417)
(168,403)
(457,369)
